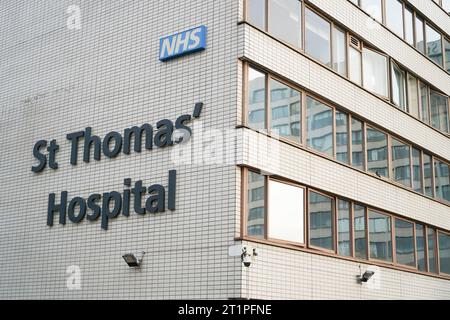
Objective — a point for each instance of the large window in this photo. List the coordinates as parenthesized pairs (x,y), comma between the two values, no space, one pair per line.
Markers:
(428,175)
(373,7)
(424,105)
(404,243)
(446,5)
(401,162)
(255,205)
(417,170)
(444,253)
(380,237)
(409,26)
(434,44)
(320,221)
(339,52)
(320,126)
(256,13)
(413,96)
(432,258)
(375,72)
(420,35)
(442,180)
(439,111)
(420,245)
(394,16)
(286,212)
(318,37)
(256,99)
(344,237)
(377,152)
(357,144)
(398,86)
(359,227)
(285,20)
(447,53)
(355,65)
(342,142)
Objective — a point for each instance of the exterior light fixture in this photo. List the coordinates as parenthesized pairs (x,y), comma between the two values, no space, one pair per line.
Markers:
(366,276)
(133,259)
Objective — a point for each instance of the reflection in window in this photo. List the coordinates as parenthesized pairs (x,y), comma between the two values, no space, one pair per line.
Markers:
(404,242)
(357,144)
(398,86)
(341,137)
(441,180)
(320,221)
(420,245)
(427,175)
(380,238)
(255,205)
(413,96)
(344,238)
(394,16)
(285,215)
(434,44)
(420,38)
(444,253)
(373,8)
(401,164)
(256,13)
(317,42)
(359,226)
(447,53)
(377,152)
(355,65)
(285,21)
(431,250)
(424,106)
(439,111)
(409,26)
(417,170)
(320,126)
(285,110)
(256,99)
(375,72)
(339,52)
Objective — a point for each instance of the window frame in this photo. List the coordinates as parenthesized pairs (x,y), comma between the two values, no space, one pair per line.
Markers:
(333,221)
(438,251)
(394,249)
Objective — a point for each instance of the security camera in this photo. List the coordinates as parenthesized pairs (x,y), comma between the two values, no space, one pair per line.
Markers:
(246,257)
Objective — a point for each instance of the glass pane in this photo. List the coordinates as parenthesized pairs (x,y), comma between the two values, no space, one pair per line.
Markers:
(446,5)
(320,221)
(375,72)
(417,170)
(320,126)
(431,250)
(424,110)
(401,163)
(285,215)
(420,39)
(420,244)
(380,236)
(394,16)
(439,111)
(344,248)
(434,45)
(339,52)
(359,225)
(413,96)
(355,65)
(428,175)
(447,54)
(442,180)
(377,152)
(398,87)
(409,26)
(404,242)
(444,253)
(285,21)
(285,109)
(357,144)
(255,204)
(256,99)
(372,7)
(341,137)
(256,13)
(318,37)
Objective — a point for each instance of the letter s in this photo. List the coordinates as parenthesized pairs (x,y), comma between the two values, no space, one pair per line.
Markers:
(38,155)
(195,38)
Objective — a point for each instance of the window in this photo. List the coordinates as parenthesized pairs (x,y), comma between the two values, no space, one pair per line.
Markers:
(320,221)
(444,253)
(442,180)
(417,170)
(339,52)
(255,205)
(359,227)
(413,96)
(401,163)
(256,13)
(317,42)
(377,152)
(286,212)
(343,224)
(341,137)
(424,106)
(373,8)
(256,99)
(380,237)
(420,245)
(285,20)
(320,126)
(394,16)
(404,243)
(357,144)
(409,26)
(434,45)
(432,259)
(427,175)
(355,65)
(420,37)
(439,111)
(285,109)
(447,53)
(398,86)
(446,5)
(375,72)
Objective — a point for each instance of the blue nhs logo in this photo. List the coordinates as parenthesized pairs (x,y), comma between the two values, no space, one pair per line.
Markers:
(182,43)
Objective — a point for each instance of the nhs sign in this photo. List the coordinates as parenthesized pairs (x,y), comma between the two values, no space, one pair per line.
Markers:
(182,43)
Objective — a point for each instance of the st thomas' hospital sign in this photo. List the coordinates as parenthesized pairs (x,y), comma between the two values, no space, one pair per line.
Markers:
(110,204)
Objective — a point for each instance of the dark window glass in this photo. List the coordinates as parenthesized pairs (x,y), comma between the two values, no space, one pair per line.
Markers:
(256,99)
(444,253)
(420,244)
(377,152)
(318,35)
(432,250)
(256,13)
(255,205)
(380,240)
(404,242)
(320,221)
(359,227)
(434,44)
(344,238)
(427,175)
(401,162)
(417,170)
(447,54)
(439,111)
(320,126)
(342,137)
(441,180)
(285,21)
(357,144)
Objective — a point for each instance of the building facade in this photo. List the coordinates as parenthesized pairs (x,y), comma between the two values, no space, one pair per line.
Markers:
(315,132)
